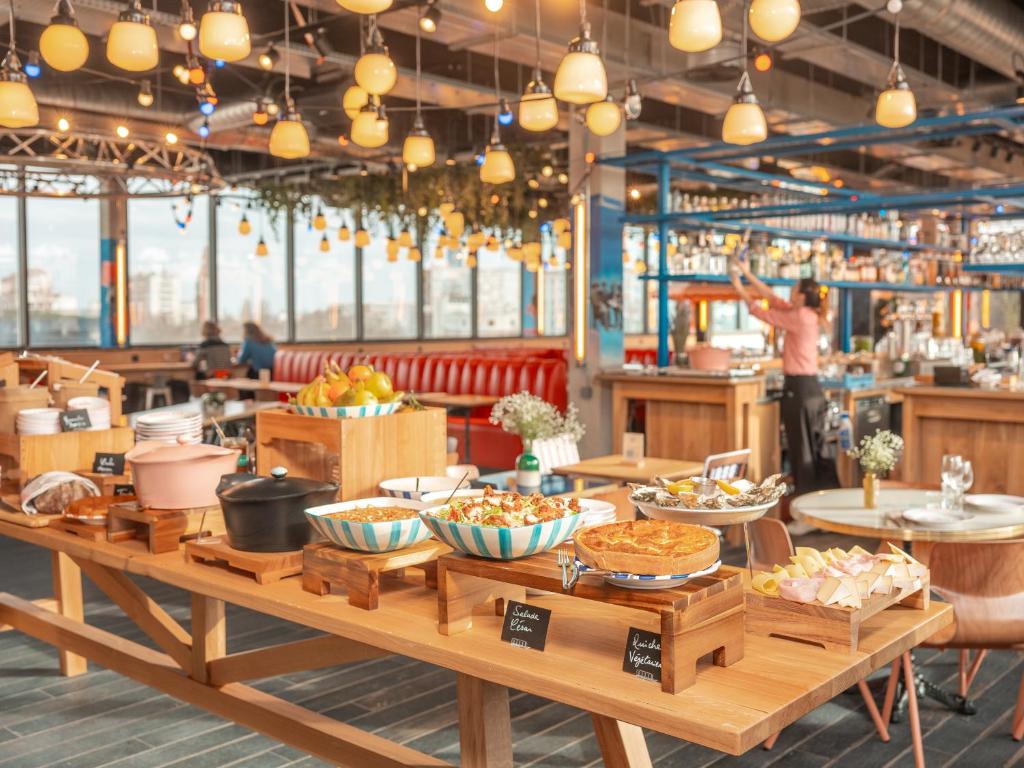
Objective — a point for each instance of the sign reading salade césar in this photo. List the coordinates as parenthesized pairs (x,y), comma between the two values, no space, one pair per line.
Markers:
(525,625)
(643,654)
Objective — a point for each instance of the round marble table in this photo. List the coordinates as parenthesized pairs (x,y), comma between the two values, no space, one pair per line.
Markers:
(842,511)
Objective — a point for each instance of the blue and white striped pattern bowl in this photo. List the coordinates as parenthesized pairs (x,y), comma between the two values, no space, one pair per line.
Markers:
(500,543)
(346,412)
(418,487)
(369,537)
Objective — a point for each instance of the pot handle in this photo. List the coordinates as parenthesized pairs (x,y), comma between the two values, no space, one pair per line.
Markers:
(279,473)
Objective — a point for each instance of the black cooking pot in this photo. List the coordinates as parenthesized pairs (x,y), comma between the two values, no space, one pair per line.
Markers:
(265,514)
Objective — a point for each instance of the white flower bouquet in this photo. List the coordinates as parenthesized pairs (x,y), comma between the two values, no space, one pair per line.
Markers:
(533,418)
(878,453)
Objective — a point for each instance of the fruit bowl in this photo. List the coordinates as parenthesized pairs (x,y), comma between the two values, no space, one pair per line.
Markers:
(346,412)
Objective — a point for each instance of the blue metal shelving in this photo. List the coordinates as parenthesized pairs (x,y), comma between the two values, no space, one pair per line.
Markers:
(850,285)
(1002,269)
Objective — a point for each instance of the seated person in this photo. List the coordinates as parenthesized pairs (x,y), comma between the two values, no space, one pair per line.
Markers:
(213,354)
(258,350)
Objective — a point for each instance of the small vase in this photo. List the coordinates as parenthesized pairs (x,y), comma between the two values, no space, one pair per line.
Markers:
(870,490)
(527,473)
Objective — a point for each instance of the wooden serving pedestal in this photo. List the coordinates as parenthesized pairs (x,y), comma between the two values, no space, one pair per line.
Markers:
(704,615)
(80,529)
(161,529)
(359,573)
(264,567)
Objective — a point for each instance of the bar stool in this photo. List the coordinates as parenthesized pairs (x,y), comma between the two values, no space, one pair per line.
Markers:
(159,388)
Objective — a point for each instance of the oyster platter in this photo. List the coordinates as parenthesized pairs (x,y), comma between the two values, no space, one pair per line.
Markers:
(710,502)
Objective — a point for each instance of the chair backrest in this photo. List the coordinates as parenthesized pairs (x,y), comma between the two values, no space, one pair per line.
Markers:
(769,543)
(984,581)
(727,466)
(554,452)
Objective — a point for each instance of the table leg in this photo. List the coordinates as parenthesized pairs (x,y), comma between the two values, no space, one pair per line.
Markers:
(469,430)
(915,720)
(485,723)
(67,590)
(209,634)
(622,744)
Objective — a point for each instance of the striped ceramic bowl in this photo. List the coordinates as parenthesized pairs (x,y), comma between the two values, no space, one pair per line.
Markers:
(418,487)
(369,537)
(500,543)
(346,412)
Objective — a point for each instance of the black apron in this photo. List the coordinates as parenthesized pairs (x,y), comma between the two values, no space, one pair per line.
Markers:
(803,418)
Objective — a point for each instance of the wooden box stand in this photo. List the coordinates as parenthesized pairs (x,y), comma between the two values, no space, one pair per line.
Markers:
(359,573)
(265,567)
(80,529)
(162,529)
(702,616)
(831,626)
(355,453)
(64,451)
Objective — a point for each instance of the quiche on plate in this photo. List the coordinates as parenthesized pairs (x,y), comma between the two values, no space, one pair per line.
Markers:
(649,547)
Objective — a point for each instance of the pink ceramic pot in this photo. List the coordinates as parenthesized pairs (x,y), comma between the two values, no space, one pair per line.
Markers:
(179,476)
(708,358)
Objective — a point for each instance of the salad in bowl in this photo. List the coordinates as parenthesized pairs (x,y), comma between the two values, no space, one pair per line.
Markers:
(504,526)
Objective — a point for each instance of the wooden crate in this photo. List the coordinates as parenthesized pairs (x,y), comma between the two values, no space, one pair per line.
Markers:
(14,398)
(831,626)
(356,453)
(702,616)
(30,455)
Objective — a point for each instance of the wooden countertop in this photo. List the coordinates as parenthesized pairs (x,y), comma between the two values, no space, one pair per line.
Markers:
(974,393)
(679,378)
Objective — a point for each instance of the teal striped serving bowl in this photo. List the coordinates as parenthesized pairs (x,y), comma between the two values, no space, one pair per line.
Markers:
(369,537)
(500,543)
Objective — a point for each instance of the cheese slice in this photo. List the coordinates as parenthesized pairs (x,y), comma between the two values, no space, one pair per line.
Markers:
(812,553)
(882,585)
(897,551)
(899,571)
(778,568)
(857,549)
(766,583)
(864,585)
(796,571)
(828,590)
(917,569)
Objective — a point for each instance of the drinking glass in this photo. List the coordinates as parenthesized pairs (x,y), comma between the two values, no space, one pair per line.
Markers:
(952,476)
(966,481)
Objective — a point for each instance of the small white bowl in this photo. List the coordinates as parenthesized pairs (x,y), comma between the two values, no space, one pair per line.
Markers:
(409,488)
(385,536)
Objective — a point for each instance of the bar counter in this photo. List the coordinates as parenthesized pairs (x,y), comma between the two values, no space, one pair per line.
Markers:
(985,426)
(693,416)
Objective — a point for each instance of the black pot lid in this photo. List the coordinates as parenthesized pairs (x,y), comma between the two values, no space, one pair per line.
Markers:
(277,486)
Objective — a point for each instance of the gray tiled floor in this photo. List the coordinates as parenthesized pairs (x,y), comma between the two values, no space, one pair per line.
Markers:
(101,719)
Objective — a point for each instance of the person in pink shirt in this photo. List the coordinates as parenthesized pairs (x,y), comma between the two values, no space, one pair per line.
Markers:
(803,402)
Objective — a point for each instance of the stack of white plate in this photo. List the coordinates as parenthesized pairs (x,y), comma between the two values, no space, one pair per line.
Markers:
(38,421)
(596,512)
(97,407)
(170,427)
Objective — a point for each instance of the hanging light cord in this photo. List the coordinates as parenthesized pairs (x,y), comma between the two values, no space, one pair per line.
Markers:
(743,44)
(896,43)
(583,12)
(287,57)
(12,24)
(497,74)
(536,29)
(417,70)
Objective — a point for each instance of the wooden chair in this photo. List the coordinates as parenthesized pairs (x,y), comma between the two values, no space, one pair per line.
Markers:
(727,466)
(984,582)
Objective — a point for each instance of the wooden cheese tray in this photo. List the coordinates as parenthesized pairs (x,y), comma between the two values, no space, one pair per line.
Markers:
(702,616)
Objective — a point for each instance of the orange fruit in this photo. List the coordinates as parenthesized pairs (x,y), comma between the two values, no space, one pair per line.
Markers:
(359,372)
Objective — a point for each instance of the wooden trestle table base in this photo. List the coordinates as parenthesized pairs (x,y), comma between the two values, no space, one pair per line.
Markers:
(730,709)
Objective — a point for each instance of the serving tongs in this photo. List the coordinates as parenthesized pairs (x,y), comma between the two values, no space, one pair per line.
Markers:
(570,573)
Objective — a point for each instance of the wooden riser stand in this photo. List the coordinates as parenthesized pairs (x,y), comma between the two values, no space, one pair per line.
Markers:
(264,567)
(359,574)
(163,530)
(702,616)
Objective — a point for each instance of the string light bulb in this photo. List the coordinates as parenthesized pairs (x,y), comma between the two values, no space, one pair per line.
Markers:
(187,29)
(224,32)
(365,7)
(325,244)
(581,77)
(774,20)
(431,17)
(538,110)
(362,238)
(244,227)
(269,58)
(145,96)
(370,128)
(344,235)
(354,99)
(603,118)
(261,248)
(131,42)
(375,72)
(260,116)
(63,45)
(122,131)
(418,149)
(18,107)
(63,124)
(180,72)
(695,25)
(319,220)
(896,106)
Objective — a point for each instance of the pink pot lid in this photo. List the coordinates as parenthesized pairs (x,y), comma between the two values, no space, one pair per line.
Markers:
(156,452)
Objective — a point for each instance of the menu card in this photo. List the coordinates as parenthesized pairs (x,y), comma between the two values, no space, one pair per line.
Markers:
(108,464)
(525,625)
(643,654)
(75,420)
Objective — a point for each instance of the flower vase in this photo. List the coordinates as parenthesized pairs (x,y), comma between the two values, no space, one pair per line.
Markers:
(870,490)
(527,470)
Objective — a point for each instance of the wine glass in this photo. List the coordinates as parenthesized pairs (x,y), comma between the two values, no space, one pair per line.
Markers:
(952,474)
(966,481)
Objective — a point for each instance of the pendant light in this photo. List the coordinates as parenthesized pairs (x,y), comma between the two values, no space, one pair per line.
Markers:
(145,95)
(325,244)
(632,103)
(354,99)
(418,150)
(63,45)
(498,167)
(187,29)
(365,6)
(18,108)
(430,18)
(319,220)
(896,106)
(362,238)
(375,72)
(131,43)
(344,235)
(744,122)
(603,118)
(261,247)
(581,77)
(774,20)
(289,139)
(538,110)
(224,32)
(695,26)
(370,128)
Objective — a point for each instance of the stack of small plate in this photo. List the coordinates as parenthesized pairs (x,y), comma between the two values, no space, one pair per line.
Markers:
(596,512)
(170,427)
(97,407)
(38,421)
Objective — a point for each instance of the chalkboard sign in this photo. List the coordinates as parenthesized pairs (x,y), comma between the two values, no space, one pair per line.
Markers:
(108,464)
(124,490)
(643,654)
(75,420)
(525,625)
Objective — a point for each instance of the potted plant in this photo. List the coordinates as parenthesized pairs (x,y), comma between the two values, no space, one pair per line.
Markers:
(877,455)
(533,418)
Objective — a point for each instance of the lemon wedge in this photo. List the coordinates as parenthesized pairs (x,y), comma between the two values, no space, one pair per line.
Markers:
(726,488)
(683,486)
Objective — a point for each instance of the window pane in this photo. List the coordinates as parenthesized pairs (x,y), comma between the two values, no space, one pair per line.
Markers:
(632,286)
(447,289)
(63,271)
(499,285)
(10,296)
(389,290)
(168,269)
(250,287)
(325,283)
(555,318)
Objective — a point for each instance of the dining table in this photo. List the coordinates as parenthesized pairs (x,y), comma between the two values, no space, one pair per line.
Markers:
(263,390)
(456,404)
(617,467)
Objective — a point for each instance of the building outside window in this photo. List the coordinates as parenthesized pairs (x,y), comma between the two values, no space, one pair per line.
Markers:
(447,292)
(389,288)
(10,293)
(325,282)
(499,282)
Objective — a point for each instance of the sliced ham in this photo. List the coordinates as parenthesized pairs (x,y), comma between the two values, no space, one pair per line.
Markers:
(800,590)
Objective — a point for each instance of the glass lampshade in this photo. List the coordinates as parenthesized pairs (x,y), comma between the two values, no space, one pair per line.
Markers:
(18,108)
(604,117)
(498,167)
(344,235)
(131,43)
(375,72)
(455,223)
(354,99)
(581,77)
(538,110)
(695,26)
(744,124)
(367,130)
(224,32)
(63,45)
(418,149)
(896,107)
(362,238)
(774,20)
(365,6)
(289,139)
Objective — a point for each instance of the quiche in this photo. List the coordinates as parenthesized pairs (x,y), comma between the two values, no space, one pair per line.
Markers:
(648,547)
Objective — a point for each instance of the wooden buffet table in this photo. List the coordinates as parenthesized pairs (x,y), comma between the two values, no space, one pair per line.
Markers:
(691,416)
(984,426)
(730,709)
